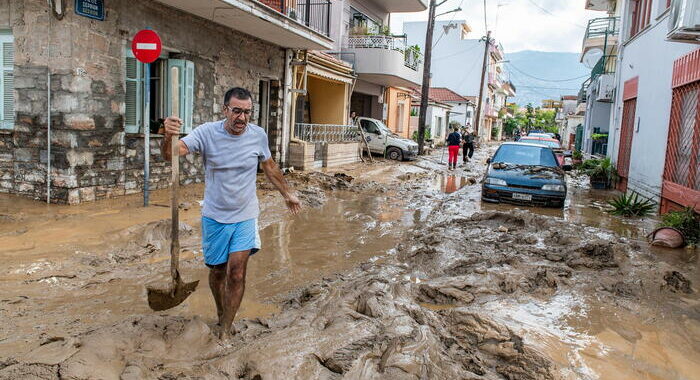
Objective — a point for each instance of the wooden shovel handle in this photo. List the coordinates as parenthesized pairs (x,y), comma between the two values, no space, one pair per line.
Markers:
(174,207)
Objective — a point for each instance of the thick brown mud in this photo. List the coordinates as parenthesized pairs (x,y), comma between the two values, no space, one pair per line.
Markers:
(393,271)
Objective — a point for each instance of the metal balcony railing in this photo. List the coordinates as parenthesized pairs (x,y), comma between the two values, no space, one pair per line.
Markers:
(314,14)
(412,57)
(607,64)
(582,93)
(328,133)
(602,27)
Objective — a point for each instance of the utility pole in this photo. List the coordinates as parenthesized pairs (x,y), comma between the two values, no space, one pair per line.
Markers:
(426,76)
(477,123)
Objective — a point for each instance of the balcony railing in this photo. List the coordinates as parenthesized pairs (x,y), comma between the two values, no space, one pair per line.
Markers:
(412,57)
(328,133)
(602,27)
(606,65)
(582,93)
(315,14)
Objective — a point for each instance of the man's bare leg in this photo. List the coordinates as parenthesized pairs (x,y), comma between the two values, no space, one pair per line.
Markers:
(217,280)
(233,289)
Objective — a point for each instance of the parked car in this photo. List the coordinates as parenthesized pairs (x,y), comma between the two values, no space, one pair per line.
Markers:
(523,173)
(383,141)
(541,134)
(554,144)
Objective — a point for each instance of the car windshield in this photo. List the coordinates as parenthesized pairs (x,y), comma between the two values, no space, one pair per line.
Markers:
(551,144)
(525,155)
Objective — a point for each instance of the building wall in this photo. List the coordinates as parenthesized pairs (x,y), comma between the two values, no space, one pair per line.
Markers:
(441,133)
(92,157)
(327,100)
(597,116)
(653,102)
(398,123)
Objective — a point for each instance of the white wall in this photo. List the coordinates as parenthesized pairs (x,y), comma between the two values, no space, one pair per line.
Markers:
(435,112)
(651,58)
(456,63)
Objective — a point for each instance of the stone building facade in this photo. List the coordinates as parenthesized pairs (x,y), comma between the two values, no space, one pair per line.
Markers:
(93,153)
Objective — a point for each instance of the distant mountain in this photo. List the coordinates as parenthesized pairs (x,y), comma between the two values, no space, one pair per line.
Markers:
(541,75)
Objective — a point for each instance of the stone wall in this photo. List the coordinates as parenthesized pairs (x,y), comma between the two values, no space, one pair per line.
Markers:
(91,155)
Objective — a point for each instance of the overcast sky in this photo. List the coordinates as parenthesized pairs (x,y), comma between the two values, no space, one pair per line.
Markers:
(547,25)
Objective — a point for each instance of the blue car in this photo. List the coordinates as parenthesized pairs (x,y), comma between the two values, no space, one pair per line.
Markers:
(522,173)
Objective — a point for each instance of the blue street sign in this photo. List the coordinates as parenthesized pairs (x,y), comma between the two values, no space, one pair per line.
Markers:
(91,8)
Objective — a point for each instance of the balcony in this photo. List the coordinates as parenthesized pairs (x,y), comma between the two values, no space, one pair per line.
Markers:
(297,24)
(326,133)
(386,60)
(607,64)
(392,6)
(601,33)
(583,92)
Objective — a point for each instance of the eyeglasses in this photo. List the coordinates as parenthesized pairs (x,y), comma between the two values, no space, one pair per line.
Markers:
(237,111)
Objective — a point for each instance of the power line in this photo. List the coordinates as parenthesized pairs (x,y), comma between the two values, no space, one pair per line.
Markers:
(549,88)
(544,10)
(444,31)
(546,80)
(457,53)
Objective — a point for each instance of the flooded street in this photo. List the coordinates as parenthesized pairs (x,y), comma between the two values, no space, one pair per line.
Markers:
(393,270)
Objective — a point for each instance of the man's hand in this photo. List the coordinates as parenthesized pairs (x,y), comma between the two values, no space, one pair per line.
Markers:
(172,126)
(293,204)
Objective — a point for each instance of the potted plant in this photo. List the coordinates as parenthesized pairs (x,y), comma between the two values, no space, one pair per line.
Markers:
(677,228)
(631,205)
(602,173)
(577,157)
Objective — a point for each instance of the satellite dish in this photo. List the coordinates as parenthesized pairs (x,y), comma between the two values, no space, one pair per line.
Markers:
(592,57)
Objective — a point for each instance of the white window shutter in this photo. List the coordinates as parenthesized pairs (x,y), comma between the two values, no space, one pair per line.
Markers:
(133,116)
(7,103)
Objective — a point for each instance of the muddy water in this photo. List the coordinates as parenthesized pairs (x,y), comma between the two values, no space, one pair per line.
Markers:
(345,231)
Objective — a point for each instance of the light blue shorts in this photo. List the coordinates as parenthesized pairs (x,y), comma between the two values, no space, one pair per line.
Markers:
(220,239)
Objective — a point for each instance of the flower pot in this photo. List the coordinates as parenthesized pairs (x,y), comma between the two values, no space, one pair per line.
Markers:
(666,237)
(600,183)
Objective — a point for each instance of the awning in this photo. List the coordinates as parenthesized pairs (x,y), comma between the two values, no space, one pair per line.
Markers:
(328,74)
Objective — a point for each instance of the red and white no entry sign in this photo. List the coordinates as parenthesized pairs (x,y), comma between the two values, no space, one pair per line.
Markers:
(146,46)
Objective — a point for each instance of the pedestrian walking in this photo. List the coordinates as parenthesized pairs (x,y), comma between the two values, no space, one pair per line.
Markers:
(453,142)
(467,146)
(231,149)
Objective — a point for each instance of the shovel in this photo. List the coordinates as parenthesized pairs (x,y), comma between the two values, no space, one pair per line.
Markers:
(159,298)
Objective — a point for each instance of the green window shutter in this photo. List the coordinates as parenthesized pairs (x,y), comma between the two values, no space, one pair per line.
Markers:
(7,103)
(189,95)
(180,91)
(133,115)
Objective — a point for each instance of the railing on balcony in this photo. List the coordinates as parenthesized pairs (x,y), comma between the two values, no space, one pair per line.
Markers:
(582,93)
(328,133)
(602,27)
(412,57)
(607,64)
(315,14)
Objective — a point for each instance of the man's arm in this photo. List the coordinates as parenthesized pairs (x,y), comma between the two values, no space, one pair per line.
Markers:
(172,127)
(274,175)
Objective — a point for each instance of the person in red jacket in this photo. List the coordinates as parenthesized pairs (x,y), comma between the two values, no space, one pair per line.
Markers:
(453,141)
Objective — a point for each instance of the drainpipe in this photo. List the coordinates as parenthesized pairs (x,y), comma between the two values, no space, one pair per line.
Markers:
(287,127)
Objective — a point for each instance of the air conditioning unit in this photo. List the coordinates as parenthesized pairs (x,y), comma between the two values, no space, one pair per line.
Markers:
(605,90)
(684,21)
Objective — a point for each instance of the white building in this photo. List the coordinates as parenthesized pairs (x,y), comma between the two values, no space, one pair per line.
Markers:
(655,135)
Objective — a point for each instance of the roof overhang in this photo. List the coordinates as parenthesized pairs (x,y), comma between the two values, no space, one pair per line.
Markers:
(394,6)
(255,19)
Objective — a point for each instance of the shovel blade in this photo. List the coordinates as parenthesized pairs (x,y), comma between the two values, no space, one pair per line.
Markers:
(163,299)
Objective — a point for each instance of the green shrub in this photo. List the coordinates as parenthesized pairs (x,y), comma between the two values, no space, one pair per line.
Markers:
(577,155)
(687,221)
(630,205)
(426,135)
(600,170)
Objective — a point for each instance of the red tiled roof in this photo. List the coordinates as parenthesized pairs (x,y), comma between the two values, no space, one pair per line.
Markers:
(443,94)
(569,97)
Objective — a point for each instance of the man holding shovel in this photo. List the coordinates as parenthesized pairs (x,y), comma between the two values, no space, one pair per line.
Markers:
(231,149)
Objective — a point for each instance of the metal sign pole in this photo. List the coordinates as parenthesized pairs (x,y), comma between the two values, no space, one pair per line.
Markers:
(146,135)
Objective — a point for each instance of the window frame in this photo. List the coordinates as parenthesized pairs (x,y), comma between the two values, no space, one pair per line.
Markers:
(161,92)
(640,15)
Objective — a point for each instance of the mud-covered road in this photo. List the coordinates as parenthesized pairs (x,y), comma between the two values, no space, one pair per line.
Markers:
(394,270)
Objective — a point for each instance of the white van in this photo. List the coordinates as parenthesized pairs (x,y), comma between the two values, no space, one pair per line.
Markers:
(385,142)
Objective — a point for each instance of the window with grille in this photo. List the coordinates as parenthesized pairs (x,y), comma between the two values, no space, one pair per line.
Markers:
(640,15)
(171,91)
(681,180)
(7,59)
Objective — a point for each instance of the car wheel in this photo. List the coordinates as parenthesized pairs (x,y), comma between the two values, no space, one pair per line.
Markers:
(394,154)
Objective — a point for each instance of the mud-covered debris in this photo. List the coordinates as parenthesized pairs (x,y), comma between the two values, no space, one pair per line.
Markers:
(677,283)
(343,177)
(502,229)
